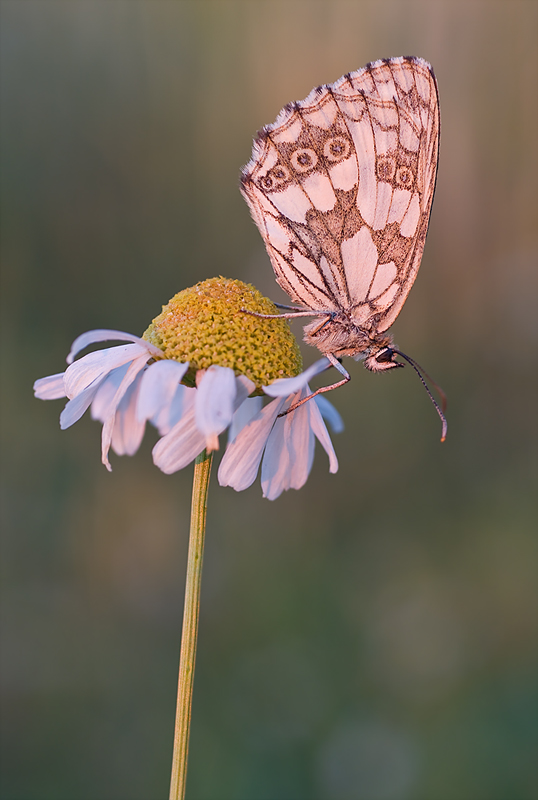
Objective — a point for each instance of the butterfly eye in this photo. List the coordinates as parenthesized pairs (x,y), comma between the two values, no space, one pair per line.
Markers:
(336,149)
(385,355)
(386,167)
(404,177)
(304,160)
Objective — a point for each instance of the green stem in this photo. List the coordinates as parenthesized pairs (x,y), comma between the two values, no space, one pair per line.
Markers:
(202,470)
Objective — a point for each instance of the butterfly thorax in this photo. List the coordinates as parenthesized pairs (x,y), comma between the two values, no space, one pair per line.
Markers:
(338,335)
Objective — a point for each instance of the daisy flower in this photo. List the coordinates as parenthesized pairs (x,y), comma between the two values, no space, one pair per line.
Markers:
(200,368)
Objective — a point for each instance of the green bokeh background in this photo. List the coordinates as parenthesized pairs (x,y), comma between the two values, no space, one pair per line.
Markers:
(372,636)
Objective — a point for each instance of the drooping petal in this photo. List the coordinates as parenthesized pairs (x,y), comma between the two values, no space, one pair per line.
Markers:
(329,413)
(244,387)
(102,405)
(165,419)
(108,427)
(286,386)
(246,411)
(96,365)
(241,461)
(104,335)
(289,454)
(50,388)
(128,430)
(157,388)
(322,435)
(76,407)
(182,444)
(214,405)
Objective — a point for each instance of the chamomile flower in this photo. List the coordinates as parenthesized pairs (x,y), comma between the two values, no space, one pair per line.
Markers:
(202,367)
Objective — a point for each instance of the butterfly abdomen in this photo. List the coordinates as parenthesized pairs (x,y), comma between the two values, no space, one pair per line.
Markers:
(339,335)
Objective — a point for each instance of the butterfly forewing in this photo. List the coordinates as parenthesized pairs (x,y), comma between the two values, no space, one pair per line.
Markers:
(341,187)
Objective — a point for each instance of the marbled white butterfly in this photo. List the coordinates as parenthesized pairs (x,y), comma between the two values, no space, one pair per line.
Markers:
(341,186)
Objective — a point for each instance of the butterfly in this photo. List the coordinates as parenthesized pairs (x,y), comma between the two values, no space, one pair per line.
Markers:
(341,187)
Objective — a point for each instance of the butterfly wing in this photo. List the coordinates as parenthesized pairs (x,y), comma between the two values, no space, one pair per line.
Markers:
(290,207)
(341,187)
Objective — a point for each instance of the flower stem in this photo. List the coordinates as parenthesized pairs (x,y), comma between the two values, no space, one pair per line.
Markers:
(202,470)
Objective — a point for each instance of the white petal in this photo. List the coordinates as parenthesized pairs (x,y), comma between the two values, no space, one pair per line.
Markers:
(241,461)
(244,387)
(128,430)
(289,454)
(329,413)
(182,444)
(158,386)
(283,387)
(104,335)
(106,391)
(246,411)
(108,428)
(76,407)
(96,365)
(214,405)
(50,388)
(165,419)
(321,433)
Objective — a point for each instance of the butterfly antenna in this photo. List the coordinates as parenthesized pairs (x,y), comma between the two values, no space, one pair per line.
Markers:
(420,372)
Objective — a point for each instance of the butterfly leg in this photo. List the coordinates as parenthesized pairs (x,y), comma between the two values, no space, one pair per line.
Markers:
(284,316)
(342,370)
(314,331)
(289,308)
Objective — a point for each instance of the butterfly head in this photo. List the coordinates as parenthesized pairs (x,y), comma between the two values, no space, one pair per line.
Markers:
(381,359)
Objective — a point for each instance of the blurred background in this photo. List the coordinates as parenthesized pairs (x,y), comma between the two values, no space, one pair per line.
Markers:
(372,636)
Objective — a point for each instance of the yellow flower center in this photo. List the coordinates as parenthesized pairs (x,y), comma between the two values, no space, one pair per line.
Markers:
(205,325)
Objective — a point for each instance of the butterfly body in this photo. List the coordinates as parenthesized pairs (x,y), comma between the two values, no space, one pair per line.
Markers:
(340,336)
